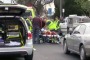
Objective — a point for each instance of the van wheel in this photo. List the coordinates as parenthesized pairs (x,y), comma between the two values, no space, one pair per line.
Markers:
(29,57)
(65,48)
(82,53)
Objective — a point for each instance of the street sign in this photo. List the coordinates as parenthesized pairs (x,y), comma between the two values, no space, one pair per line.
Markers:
(63,10)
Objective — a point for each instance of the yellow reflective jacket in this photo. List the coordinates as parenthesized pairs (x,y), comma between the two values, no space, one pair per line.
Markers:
(29,22)
(50,25)
(53,25)
(56,24)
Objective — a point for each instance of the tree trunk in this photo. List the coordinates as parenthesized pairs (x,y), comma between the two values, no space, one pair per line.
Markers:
(57,8)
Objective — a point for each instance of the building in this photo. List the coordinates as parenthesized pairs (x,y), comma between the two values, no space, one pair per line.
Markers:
(50,9)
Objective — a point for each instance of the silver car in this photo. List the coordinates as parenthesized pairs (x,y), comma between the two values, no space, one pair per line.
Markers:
(78,41)
(15,37)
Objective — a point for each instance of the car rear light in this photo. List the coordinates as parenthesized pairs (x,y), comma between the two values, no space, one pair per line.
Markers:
(29,35)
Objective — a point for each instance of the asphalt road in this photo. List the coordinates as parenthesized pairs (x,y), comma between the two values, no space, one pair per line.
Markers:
(48,52)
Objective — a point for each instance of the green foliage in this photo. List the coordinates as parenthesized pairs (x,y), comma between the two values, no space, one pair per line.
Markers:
(73,7)
(86,7)
(79,7)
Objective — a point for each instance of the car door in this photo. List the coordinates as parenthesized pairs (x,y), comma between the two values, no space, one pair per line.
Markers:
(71,38)
(78,37)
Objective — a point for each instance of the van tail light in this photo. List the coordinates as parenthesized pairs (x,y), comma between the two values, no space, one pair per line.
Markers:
(29,35)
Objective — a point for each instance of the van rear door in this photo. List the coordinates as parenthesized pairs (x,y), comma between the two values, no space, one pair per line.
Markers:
(12,10)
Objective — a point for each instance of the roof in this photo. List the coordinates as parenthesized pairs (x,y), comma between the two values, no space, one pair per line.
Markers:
(12,9)
(87,24)
(11,5)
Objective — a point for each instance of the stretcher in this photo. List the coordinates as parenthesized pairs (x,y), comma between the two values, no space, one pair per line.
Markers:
(51,36)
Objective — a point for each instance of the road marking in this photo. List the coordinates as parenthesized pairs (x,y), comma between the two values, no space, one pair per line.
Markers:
(34,49)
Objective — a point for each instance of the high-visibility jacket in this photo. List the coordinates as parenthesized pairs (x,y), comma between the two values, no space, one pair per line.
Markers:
(50,25)
(56,24)
(53,25)
(29,22)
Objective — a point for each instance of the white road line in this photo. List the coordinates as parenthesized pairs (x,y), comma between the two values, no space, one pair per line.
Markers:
(34,49)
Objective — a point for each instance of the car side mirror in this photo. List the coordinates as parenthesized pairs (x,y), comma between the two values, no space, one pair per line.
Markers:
(71,33)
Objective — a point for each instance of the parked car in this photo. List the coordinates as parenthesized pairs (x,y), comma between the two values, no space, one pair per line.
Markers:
(15,37)
(78,41)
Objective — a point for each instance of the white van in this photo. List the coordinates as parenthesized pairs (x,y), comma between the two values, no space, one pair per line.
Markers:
(72,21)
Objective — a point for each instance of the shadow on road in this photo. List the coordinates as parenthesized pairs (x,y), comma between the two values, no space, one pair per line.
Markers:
(74,55)
(8,58)
(77,56)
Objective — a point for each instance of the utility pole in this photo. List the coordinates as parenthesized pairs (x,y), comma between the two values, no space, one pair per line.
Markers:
(60,8)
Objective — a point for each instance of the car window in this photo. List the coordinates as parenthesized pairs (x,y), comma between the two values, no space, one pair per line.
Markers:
(26,14)
(87,31)
(77,28)
(82,29)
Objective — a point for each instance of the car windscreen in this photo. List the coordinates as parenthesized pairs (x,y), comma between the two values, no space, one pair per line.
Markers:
(85,20)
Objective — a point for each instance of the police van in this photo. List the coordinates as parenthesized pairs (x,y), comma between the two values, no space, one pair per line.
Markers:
(29,12)
(15,37)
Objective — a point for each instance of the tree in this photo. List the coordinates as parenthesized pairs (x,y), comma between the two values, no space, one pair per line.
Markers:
(86,7)
(57,8)
(73,7)
(79,7)
(38,4)
(70,6)
(83,6)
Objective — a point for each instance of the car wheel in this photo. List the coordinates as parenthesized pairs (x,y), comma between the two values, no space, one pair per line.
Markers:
(82,53)
(29,57)
(65,48)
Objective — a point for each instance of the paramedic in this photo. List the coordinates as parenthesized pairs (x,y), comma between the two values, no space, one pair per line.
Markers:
(53,25)
(49,24)
(56,25)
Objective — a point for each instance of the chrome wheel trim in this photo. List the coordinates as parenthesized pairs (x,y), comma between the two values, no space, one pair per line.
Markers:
(65,47)
(82,54)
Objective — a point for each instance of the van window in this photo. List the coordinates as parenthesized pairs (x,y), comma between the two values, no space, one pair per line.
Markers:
(70,21)
(26,14)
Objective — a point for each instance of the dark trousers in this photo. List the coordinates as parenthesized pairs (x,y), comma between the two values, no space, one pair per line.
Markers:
(36,32)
